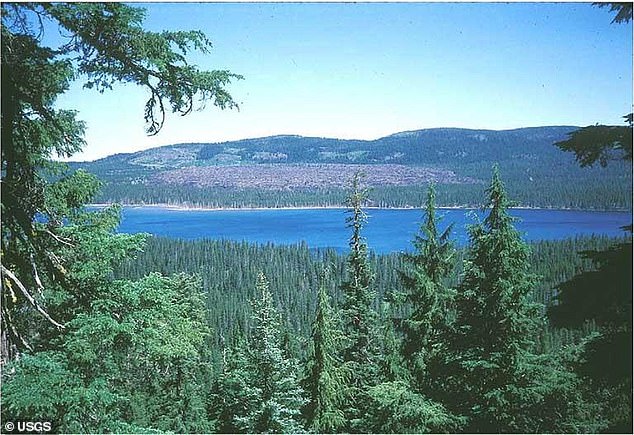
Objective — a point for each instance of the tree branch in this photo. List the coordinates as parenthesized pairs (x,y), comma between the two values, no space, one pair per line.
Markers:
(58,238)
(30,298)
(9,323)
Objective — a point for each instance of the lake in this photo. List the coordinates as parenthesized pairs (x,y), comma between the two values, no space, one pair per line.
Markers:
(388,230)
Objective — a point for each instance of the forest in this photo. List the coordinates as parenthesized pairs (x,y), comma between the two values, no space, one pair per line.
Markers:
(612,194)
(104,332)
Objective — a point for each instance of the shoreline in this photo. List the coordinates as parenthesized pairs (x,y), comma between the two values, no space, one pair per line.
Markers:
(337,207)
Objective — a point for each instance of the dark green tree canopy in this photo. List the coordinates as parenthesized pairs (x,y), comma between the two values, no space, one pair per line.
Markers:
(600,143)
(325,380)
(603,143)
(623,11)
(425,291)
(104,44)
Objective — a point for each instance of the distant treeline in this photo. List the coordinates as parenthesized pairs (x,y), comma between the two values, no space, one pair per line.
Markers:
(577,193)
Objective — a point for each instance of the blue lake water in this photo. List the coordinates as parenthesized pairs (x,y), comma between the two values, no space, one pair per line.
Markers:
(387,230)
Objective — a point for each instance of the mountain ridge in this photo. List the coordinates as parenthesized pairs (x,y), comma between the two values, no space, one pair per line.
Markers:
(291,170)
(405,133)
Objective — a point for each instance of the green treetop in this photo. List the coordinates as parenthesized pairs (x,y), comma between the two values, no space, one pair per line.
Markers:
(495,320)
(325,381)
(430,300)
(262,394)
(358,294)
(360,352)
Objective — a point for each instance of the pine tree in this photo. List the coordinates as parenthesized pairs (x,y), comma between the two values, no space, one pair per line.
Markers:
(235,397)
(325,382)
(360,319)
(265,395)
(495,322)
(426,293)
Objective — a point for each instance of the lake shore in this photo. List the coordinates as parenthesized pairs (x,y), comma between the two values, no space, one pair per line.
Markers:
(335,207)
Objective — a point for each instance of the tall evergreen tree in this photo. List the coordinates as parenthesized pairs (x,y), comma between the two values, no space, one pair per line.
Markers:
(235,396)
(262,393)
(495,322)
(426,293)
(282,397)
(325,380)
(400,403)
(360,318)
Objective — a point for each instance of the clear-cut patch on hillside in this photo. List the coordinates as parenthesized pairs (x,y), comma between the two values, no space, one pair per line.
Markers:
(315,176)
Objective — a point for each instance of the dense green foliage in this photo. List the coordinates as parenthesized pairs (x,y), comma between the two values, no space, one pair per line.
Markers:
(326,378)
(262,394)
(115,369)
(495,322)
(79,349)
(229,268)
(360,350)
(426,293)
(603,295)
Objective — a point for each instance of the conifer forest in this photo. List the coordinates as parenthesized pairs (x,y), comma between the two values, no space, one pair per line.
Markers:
(107,332)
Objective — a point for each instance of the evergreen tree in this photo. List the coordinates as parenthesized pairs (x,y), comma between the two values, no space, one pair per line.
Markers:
(426,292)
(261,393)
(135,361)
(360,352)
(105,44)
(325,380)
(235,396)
(495,322)
(603,295)
(397,405)
(492,375)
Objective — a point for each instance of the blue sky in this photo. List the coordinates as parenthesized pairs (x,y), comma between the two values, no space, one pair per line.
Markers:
(366,70)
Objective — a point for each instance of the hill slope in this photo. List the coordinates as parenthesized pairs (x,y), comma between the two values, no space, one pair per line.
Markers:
(296,170)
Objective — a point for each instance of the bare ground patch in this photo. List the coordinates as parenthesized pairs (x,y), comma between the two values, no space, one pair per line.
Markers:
(307,176)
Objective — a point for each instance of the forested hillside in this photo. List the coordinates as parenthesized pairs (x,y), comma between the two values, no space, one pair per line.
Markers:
(300,171)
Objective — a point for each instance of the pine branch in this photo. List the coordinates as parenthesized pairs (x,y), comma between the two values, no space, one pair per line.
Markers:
(30,298)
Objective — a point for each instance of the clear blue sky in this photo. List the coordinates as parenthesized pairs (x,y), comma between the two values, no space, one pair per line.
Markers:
(367,70)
